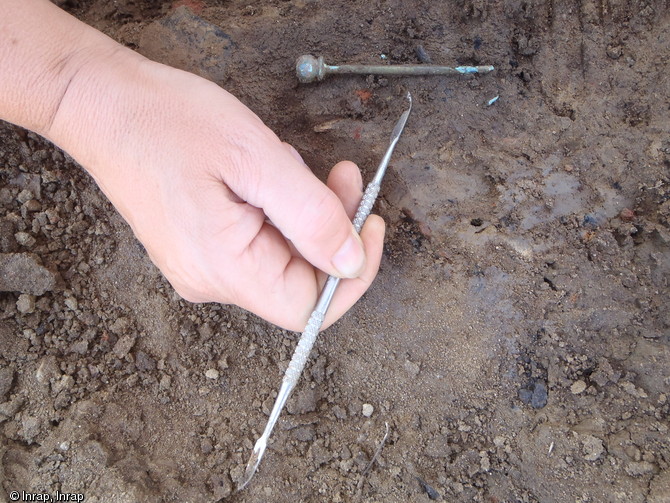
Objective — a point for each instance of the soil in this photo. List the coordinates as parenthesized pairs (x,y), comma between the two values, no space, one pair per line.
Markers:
(516,340)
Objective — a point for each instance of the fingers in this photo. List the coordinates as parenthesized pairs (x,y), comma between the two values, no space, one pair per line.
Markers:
(276,285)
(346,181)
(283,289)
(306,212)
(289,296)
(350,290)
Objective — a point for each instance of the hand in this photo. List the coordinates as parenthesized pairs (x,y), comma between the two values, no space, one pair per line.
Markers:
(227,211)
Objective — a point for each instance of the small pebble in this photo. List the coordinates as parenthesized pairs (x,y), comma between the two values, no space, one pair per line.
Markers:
(123,346)
(368,409)
(32,205)
(212,374)
(25,239)
(71,302)
(165,382)
(593,448)
(422,55)
(412,368)
(535,395)
(589,221)
(24,196)
(432,493)
(26,303)
(614,51)
(578,387)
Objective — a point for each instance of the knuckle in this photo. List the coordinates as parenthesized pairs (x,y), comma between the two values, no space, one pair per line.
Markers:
(245,157)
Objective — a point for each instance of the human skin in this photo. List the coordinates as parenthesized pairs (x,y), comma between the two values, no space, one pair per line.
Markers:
(227,211)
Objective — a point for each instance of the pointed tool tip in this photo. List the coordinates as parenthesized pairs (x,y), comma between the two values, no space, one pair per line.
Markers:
(249,472)
(254,461)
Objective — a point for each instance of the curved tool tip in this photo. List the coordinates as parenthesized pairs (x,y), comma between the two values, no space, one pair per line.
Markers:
(254,461)
(249,472)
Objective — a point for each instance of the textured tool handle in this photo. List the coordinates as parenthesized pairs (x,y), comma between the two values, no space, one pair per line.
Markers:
(306,342)
(303,349)
(365,207)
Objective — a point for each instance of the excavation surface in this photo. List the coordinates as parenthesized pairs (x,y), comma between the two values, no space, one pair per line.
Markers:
(516,339)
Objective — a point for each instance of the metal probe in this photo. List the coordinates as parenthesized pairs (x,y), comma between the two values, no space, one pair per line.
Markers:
(299,359)
(309,68)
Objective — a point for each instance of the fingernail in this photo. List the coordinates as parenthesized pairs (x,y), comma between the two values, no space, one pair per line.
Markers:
(349,260)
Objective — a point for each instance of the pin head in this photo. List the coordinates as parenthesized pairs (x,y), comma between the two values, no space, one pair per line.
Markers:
(309,68)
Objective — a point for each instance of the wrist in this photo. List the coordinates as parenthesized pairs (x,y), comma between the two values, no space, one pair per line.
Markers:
(43,51)
(90,109)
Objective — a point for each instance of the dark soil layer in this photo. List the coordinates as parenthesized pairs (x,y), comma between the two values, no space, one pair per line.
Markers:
(516,340)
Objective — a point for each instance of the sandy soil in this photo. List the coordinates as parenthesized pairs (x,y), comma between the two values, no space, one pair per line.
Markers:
(516,340)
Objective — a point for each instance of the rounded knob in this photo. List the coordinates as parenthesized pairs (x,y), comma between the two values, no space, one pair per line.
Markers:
(308,68)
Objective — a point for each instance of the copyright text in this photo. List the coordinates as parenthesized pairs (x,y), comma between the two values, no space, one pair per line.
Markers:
(55,497)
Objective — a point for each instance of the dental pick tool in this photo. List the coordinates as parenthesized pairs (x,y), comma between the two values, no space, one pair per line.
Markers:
(308,337)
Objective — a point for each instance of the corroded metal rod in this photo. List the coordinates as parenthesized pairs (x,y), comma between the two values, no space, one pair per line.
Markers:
(309,68)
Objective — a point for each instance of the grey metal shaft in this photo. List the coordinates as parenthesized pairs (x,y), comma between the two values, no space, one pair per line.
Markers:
(310,68)
(306,342)
(406,69)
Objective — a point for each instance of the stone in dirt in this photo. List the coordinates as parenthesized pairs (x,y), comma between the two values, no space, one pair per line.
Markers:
(593,448)
(30,182)
(577,387)
(535,395)
(432,493)
(123,346)
(212,374)
(26,303)
(23,272)
(25,239)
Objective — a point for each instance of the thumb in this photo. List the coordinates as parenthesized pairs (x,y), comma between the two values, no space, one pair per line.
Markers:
(308,213)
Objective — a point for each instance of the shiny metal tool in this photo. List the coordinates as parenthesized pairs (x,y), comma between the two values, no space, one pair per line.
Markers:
(309,68)
(297,364)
